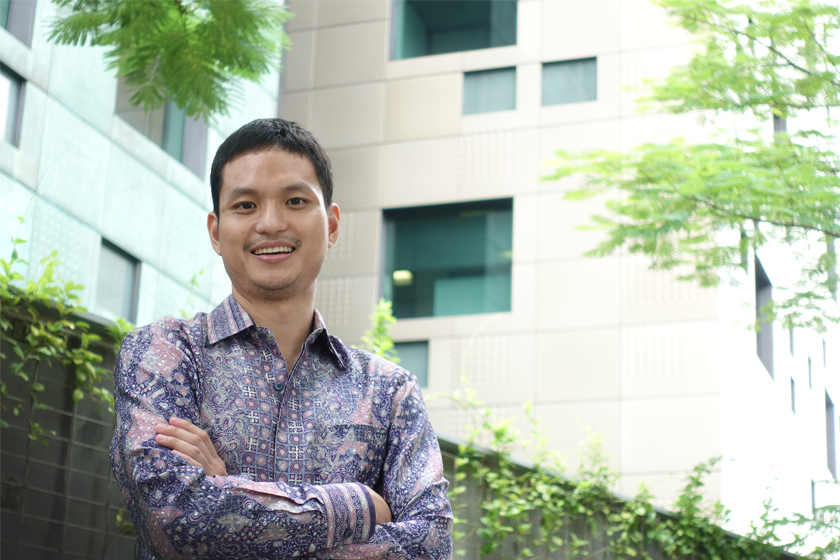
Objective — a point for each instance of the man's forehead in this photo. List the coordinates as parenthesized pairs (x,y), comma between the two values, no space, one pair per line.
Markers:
(255,159)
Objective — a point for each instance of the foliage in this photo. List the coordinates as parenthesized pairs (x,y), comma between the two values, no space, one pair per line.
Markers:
(539,512)
(700,208)
(189,51)
(378,339)
(190,301)
(38,321)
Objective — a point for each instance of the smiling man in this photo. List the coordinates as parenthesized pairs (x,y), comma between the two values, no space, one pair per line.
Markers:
(250,432)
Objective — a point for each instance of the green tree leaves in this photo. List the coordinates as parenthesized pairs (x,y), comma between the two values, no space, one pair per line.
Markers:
(700,208)
(378,338)
(190,51)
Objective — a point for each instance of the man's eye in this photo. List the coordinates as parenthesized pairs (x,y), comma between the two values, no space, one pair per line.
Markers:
(246,206)
(296,201)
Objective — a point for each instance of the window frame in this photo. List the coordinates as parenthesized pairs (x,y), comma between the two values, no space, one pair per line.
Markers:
(486,72)
(397,21)
(193,137)
(557,64)
(135,290)
(18,113)
(20,20)
(390,218)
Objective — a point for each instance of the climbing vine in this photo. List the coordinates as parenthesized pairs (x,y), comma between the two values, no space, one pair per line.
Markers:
(39,326)
(540,512)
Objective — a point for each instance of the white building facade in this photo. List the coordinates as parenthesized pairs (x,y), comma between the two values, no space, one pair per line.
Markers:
(436,115)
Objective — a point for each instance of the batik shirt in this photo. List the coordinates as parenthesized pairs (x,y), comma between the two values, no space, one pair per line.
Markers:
(299,446)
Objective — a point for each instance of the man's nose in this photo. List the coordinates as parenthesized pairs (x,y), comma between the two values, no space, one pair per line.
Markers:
(272,219)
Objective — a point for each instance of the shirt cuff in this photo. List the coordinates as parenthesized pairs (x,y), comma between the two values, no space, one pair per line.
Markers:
(350,513)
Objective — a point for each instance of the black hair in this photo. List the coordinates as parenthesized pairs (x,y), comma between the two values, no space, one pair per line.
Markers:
(271,134)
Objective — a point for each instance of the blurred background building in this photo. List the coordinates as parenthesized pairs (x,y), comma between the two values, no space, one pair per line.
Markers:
(439,117)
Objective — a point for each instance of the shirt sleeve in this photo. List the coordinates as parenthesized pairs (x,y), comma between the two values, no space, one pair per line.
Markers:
(178,510)
(414,487)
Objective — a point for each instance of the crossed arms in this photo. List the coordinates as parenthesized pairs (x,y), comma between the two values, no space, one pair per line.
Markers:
(184,502)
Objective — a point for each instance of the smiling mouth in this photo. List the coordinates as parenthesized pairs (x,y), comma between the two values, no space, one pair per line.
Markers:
(273,250)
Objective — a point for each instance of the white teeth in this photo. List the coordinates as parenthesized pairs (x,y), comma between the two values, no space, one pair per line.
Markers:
(273,250)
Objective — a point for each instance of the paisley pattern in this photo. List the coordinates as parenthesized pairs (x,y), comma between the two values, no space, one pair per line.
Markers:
(300,446)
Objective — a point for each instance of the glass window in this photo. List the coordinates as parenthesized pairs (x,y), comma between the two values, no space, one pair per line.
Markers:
(11,95)
(116,290)
(183,138)
(426,27)
(4,13)
(569,81)
(414,357)
(764,334)
(17,17)
(172,140)
(489,90)
(453,259)
(830,437)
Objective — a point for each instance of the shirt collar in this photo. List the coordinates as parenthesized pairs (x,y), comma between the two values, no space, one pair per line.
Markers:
(230,318)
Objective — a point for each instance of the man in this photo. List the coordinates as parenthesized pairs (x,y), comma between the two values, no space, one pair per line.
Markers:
(249,432)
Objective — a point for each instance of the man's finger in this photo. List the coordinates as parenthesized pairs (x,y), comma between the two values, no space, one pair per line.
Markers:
(189,459)
(192,443)
(178,444)
(183,434)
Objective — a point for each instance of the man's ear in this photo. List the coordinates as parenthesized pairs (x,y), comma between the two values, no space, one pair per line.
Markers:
(333,219)
(213,230)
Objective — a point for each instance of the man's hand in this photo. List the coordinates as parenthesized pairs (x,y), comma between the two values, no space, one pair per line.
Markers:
(192,443)
(383,510)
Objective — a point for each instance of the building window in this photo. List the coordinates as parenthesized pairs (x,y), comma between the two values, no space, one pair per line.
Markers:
(569,81)
(764,332)
(791,341)
(182,137)
(11,99)
(488,91)
(453,259)
(18,18)
(830,436)
(792,395)
(810,374)
(118,282)
(427,27)
(414,357)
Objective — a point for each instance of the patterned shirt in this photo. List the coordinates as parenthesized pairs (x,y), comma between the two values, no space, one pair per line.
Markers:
(299,446)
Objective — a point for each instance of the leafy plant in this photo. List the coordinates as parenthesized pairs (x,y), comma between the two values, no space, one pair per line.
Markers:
(190,51)
(378,338)
(540,512)
(184,312)
(37,322)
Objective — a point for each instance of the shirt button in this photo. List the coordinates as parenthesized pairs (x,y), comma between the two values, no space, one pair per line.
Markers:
(278,385)
(348,533)
(261,335)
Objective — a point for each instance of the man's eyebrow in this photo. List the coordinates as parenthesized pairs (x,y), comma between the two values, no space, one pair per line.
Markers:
(236,192)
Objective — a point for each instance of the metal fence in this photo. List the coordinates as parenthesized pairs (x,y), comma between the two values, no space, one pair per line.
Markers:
(59,500)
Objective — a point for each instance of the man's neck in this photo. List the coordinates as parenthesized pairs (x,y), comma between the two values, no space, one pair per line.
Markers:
(290,321)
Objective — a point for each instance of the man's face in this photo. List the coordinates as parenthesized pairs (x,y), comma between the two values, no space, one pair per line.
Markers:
(273,230)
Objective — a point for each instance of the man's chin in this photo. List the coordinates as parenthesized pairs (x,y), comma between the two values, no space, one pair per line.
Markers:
(274,291)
